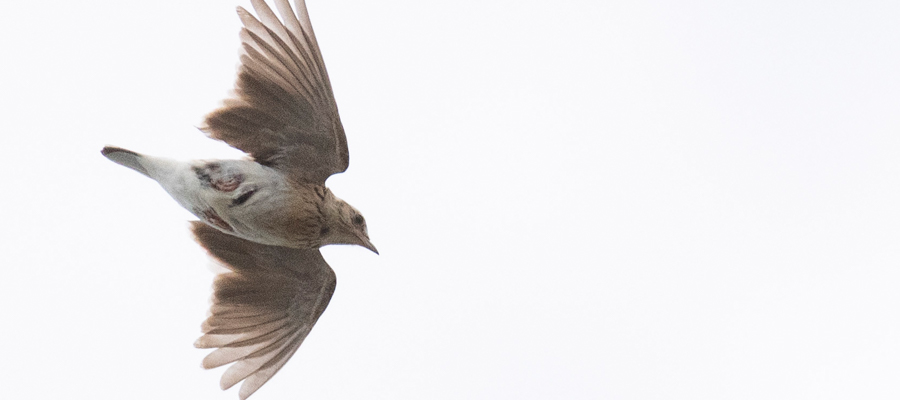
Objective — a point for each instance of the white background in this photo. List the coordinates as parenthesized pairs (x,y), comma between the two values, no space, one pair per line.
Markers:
(572,199)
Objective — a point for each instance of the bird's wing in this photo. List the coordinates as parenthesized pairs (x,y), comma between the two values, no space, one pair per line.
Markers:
(262,308)
(283,111)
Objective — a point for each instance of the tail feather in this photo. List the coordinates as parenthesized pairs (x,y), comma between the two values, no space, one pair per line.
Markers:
(125,157)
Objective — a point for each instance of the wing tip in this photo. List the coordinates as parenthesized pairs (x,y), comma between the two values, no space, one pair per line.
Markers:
(208,363)
(201,343)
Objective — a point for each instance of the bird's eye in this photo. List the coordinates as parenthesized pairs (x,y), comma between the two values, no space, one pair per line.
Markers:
(358,219)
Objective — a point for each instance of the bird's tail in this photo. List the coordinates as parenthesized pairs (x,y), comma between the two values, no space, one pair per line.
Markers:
(124,157)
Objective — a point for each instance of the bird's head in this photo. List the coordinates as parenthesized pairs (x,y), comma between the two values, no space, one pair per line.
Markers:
(347,225)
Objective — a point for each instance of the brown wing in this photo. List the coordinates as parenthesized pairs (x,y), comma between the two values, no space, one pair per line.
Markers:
(283,111)
(263,308)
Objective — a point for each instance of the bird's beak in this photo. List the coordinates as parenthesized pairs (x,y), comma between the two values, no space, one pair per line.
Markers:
(365,242)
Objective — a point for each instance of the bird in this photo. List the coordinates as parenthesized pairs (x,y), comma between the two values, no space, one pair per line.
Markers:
(265,217)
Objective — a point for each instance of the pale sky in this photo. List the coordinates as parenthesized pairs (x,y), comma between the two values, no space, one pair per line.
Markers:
(573,200)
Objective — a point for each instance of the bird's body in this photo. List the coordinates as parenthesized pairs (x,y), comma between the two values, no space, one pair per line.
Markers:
(251,201)
(264,218)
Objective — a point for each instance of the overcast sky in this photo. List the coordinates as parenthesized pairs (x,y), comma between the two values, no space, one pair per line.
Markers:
(572,200)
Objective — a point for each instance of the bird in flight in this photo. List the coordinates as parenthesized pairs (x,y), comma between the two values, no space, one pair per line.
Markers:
(264,218)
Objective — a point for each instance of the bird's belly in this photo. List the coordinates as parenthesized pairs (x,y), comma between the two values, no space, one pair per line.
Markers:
(250,201)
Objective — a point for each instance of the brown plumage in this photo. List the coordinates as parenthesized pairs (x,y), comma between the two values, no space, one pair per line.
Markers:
(264,219)
(262,308)
(284,113)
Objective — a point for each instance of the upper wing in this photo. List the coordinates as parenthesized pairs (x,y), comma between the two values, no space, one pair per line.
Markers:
(283,112)
(263,308)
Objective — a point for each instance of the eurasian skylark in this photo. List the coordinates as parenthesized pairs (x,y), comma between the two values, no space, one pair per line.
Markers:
(264,219)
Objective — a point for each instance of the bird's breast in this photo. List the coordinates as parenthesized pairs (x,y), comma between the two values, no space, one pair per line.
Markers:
(275,213)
